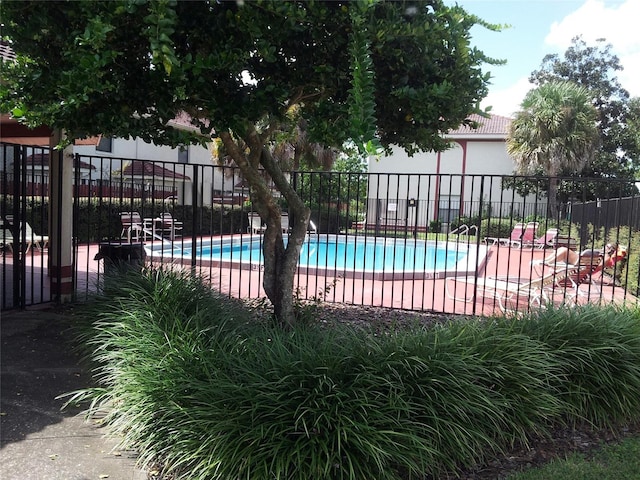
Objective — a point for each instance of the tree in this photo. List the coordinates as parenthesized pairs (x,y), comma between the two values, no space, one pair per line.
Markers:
(404,70)
(554,131)
(336,198)
(632,131)
(594,68)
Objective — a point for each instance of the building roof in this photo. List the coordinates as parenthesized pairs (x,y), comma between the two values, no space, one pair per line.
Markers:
(494,126)
(141,168)
(42,160)
(91,141)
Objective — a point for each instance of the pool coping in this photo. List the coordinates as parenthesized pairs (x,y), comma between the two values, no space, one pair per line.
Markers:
(473,262)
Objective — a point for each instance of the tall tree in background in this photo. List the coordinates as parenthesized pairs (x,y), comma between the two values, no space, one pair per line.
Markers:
(402,71)
(555,131)
(595,67)
(632,130)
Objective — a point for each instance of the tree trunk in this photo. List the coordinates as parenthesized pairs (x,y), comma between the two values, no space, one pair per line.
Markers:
(280,261)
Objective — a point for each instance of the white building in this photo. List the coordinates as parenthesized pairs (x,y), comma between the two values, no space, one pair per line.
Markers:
(445,185)
(177,173)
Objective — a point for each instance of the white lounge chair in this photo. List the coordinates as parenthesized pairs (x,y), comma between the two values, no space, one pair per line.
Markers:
(171,225)
(508,291)
(31,239)
(6,239)
(133,227)
(583,273)
(255,223)
(284,222)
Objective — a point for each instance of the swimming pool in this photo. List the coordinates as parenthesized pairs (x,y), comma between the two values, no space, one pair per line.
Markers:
(340,255)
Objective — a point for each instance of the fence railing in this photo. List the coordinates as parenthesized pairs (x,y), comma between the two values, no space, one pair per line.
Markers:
(411,241)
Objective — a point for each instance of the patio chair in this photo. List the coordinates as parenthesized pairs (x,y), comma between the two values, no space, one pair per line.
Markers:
(284,222)
(171,225)
(564,241)
(255,224)
(311,227)
(546,240)
(31,239)
(508,291)
(133,227)
(514,240)
(590,263)
(6,239)
(529,235)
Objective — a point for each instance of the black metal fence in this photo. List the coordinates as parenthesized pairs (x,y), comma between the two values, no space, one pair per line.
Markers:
(23,227)
(411,241)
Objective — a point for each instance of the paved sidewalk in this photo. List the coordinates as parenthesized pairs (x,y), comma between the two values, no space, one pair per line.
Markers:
(38,440)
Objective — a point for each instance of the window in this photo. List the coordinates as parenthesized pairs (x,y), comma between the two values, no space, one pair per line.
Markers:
(105,144)
(183,154)
(448,208)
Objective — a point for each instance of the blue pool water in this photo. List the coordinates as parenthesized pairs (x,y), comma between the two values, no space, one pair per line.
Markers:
(379,257)
(355,254)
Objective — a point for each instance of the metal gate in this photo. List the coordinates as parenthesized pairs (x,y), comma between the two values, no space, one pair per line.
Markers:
(24,202)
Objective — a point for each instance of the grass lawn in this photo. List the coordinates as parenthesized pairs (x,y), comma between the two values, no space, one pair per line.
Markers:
(614,462)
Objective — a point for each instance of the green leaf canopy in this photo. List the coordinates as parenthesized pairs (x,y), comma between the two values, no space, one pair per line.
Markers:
(126,68)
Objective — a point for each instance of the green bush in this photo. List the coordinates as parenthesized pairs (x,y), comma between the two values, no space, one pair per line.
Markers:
(435,226)
(99,219)
(191,381)
(597,350)
(497,227)
(330,219)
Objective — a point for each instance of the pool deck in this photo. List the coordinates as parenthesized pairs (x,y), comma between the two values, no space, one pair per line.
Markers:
(408,294)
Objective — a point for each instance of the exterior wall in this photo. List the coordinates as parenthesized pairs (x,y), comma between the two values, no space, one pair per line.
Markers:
(488,158)
(444,185)
(139,149)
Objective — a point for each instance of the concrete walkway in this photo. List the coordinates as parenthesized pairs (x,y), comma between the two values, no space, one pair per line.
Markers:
(38,440)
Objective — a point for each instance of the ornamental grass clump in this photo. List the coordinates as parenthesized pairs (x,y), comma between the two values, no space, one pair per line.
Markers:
(192,383)
(598,351)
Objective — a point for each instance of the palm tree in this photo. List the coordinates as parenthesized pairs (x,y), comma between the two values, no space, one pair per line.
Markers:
(555,131)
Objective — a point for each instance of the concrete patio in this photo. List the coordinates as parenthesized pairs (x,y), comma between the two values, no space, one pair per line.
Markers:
(409,294)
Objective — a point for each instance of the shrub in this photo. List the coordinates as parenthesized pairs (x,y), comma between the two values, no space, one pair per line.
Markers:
(98,220)
(497,227)
(598,351)
(435,226)
(192,382)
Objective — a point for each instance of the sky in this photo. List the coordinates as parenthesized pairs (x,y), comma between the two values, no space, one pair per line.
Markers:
(541,27)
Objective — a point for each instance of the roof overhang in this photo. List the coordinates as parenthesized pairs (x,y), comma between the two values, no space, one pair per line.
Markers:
(477,137)
(12,131)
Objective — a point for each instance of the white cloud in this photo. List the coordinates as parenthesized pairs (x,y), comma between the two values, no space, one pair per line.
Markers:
(629,76)
(617,23)
(507,101)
